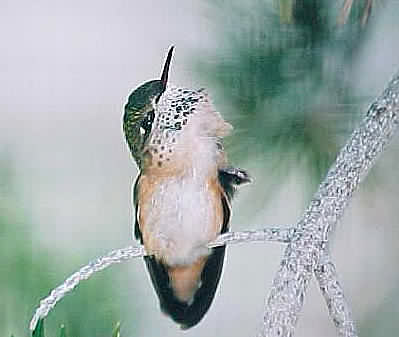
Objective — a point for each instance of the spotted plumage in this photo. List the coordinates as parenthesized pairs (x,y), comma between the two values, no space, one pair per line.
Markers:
(175,112)
(182,194)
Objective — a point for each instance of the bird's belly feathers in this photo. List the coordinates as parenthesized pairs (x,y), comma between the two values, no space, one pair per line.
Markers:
(178,217)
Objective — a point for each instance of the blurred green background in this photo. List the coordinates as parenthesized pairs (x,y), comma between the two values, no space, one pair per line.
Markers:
(292,76)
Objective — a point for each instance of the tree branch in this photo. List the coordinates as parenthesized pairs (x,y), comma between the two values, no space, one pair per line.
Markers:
(116,256)
(333,294)
(272,234)
(303,255)
(120,255)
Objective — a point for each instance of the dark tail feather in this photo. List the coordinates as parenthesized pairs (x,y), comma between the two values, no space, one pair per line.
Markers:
(181,312)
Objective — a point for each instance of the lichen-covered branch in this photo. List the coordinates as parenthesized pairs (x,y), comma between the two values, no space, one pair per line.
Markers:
(333,294)
(283,234)
(116,256)
(303,255)
(276,234)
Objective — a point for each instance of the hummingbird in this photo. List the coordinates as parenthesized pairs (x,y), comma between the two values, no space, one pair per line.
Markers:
(182,194)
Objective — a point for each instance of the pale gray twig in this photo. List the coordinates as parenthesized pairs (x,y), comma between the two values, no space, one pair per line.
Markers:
(303,254)
(116,256)
(123,254)
(333,294)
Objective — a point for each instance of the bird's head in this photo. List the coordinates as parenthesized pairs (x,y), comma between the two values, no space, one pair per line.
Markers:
(140,110)
(162,120)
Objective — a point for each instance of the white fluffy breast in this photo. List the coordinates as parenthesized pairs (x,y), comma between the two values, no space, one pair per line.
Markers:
(183,220)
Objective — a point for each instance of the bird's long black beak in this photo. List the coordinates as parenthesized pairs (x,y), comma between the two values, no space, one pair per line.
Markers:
(165,71)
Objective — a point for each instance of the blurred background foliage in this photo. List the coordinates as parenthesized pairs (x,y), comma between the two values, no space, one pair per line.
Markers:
(26,270)
(282,71)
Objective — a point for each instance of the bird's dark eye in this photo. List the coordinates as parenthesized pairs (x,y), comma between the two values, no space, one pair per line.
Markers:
(146,123)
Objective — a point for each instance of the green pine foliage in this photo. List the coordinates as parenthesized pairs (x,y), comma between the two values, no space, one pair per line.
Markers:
(39,331)
(282,75)
(63,331)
